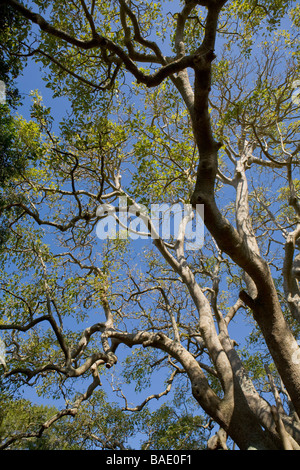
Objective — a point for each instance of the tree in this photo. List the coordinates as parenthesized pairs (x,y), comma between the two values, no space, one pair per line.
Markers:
(208,121)
(99,425)
(19,417)
(13,30)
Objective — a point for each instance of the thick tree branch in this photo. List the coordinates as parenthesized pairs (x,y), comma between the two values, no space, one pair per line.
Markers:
(125,10)
(103,43)
(290,284)
(200,385)
(157,396)
(66,412)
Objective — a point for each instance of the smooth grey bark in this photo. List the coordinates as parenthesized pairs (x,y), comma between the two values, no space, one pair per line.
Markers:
(241,247)
(290,283)
(230,413)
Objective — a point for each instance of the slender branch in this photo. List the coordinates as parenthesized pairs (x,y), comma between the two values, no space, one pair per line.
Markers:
(173,320)
(265,152)
(53,323)
(66,412)
(290,284)
(19,298)
(89,17)
(181,21)
(47,27)
(124,8)
(232,311)
(24,328)
(157,396)
(293,200)
(104,85)
(200,385)
(104,43)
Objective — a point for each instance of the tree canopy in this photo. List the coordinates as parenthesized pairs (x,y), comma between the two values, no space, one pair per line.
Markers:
(190,106)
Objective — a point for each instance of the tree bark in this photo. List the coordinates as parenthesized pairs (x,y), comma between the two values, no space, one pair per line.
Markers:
(265,306)
(231,413)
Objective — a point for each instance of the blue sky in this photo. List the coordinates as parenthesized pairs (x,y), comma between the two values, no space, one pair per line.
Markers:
(30,80)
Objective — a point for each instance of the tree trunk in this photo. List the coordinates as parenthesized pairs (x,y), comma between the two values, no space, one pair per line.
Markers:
(265,306)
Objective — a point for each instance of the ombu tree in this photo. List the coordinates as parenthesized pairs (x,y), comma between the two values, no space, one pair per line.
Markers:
(173,102)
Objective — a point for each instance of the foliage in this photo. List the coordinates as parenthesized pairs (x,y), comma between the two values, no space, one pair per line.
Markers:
(13,31)
(99,425)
